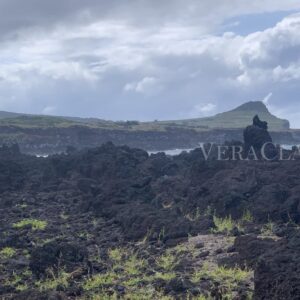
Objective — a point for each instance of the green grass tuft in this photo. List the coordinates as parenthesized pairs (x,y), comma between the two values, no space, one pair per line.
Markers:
(167,261)
(7,252)
(62,279)
(100,280)
(223,225)
(34,223)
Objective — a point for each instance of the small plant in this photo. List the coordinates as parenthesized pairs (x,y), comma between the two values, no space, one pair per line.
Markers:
(22,205)
(162,234)
(208,211)
(64,216)
(35,224)
(147,293)
(100,280)
(95,222)
(133,265)
(230,278)
(194,216)
(146,237)
(14,280)
(7,252)
(21,287)
(102,296)
(167,261)
(84,235)
(247,216)
(268,229)
(200,297)
(236,274)
(165,276)
(182,248)
(62,279)
(223,225)
(116,254)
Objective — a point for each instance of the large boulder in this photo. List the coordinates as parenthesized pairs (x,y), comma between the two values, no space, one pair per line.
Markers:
(256,136)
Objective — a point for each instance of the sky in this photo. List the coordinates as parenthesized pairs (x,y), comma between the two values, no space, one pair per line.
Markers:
(149,59)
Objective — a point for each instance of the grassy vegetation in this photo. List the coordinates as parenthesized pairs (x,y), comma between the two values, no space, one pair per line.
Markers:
(237,118)
(19,280)
(129,270)
(194,216)
(165,276)
(229,278)
(167,261)
(142,273)
(62,280)
(140,277)
(116,254)
(268,229)
(147,293)
(133,265)
(34,223)
(223,225)
(247,216)
(7,252)
(227,224)
(100,280)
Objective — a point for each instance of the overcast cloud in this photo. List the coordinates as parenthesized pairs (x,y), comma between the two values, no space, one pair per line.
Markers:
(146,60)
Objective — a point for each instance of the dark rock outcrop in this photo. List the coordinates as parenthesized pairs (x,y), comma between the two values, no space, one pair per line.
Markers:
(258,139)
(256,135)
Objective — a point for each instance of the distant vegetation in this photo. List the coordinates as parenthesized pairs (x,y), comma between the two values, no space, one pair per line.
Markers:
(237,118)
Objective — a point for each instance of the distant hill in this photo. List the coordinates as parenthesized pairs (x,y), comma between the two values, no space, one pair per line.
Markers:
(7,115)
(239,117)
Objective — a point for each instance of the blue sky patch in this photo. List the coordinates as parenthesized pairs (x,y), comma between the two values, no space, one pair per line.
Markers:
(246,24)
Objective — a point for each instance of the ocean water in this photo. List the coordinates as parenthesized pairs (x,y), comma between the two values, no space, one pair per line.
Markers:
(288,147)
(173,152)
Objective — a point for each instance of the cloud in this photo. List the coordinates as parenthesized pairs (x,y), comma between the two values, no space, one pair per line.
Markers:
(267,98)
(99,58)
(202,110)
(148,85)
(34,13)
(49,110)
(206,108)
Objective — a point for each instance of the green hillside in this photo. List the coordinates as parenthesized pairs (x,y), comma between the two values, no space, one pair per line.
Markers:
(237,118)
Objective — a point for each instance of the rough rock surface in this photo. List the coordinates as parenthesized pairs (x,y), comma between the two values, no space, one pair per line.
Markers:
(277,275)
(94,200)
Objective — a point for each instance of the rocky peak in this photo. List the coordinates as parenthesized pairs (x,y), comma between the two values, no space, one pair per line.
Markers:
(256,106)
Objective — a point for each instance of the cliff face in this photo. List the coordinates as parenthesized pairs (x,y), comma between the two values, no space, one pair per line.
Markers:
(54,140)
(48,134)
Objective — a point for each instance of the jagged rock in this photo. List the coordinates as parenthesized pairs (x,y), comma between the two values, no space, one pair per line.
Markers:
(106,197)
(256,135)
(257,138)
(260,124)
